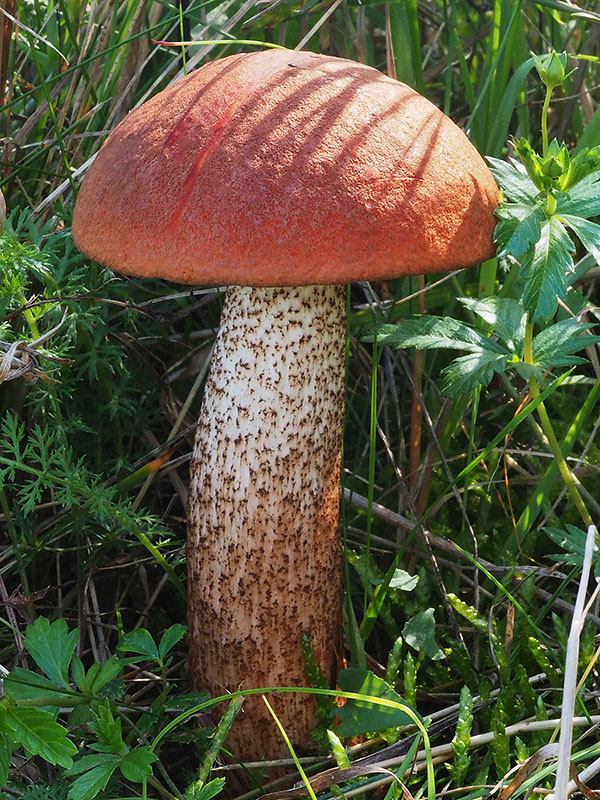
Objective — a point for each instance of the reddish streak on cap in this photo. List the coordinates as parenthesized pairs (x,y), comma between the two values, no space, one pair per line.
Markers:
(181,129)
(283,168)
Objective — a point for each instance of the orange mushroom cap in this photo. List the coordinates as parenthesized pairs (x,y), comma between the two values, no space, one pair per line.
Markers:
(283,168)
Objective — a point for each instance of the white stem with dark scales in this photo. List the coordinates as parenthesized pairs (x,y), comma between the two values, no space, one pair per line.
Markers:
(264,553)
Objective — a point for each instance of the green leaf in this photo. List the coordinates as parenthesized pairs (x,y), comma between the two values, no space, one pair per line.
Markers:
(140,642)
(466,373)
(587,232)
(363,716)
(40,735)
(107,673)
(6,751)
(519,227)
(582,200)
(584,166)
(514,181)
(95,772)
(170,638)
(419,633)
(81,680)
(403,581)
(431,333)
(555,345)
(485,355)
(545,274)
(573,541)
(107,728)
(30,688)
(136,765)
(51,646)
(507,317)
(198,790)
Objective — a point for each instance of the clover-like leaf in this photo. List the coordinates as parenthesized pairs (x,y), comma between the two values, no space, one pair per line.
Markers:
(141,642)
(51,646)
(136,765)
(94,772)
(170,638)
(198,790)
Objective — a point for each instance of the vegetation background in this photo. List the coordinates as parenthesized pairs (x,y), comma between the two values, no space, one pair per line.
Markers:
(453,507)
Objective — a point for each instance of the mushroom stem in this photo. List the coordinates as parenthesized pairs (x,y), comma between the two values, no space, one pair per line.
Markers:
(264,553)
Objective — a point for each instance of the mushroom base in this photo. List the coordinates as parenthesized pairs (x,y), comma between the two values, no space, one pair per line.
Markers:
(264,552)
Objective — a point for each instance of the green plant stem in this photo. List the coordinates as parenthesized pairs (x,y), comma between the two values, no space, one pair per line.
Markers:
(545,108)
(567,476)
(161,789)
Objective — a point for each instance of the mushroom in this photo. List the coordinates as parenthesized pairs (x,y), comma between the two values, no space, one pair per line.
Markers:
(283,175)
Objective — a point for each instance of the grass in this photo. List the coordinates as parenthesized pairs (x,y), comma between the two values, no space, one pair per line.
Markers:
(461,492)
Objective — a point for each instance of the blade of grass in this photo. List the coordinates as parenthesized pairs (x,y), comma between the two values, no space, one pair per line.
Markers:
(290,747)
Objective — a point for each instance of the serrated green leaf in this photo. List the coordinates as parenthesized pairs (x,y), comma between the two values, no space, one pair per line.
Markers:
(545,275)
(363,716)
(91,761)
(466,373)
(519,227)
(95,771)
(51,646)
(136,765)
(170,638)
(419,633)
(40,735)
(587,232)
(582,200)
(141,642)
(198,790)
(555,345)
(107,728)
(514,181)
(573,540)
(432,333)
(507,317)
(30,688)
